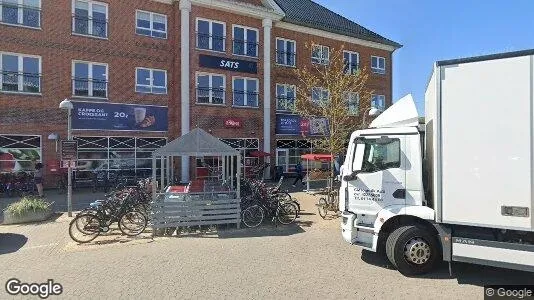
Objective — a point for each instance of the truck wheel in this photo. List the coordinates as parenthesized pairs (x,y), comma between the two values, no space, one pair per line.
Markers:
(412,250)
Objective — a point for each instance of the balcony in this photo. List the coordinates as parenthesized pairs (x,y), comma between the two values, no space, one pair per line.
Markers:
(20,82)
(245,99)
(245,48)
(95,27)
(286,58)
(285,104)
(20,15)
(210,42)
(84,87)
(207,95)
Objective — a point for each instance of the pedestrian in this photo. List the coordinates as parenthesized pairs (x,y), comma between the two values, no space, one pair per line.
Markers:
(300,176)
(38,177)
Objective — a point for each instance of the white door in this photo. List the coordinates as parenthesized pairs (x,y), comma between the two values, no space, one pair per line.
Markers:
(282,159)
(381,176)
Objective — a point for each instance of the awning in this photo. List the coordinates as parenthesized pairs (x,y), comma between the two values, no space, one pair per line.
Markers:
(259,154)
(321,157)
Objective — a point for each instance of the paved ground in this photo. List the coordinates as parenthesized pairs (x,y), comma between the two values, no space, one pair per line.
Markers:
(306,261)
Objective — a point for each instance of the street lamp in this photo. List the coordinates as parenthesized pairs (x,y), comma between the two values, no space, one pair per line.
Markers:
(372,111)
(66,104)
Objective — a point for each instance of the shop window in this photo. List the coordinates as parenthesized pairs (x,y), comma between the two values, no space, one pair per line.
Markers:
(211,35)
(151,24)
(285,97)
(353,102)
(20,73)
(19,152)
(90,79)
(286,52)
(351,60)
(245,92)
(378,101)
(21,12)
(320,54)
(378,65)
(210,88)
(90,18)
(151,81)
(245,41)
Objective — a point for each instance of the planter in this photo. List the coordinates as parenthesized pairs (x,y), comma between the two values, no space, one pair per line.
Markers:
(31,216)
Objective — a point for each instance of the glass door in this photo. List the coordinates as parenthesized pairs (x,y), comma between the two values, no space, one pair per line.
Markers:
(282,159)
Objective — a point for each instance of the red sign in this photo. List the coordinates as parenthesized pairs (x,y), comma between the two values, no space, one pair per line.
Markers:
(304,126)
(233,123)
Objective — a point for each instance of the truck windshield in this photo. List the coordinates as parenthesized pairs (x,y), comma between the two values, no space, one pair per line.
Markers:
(378,156)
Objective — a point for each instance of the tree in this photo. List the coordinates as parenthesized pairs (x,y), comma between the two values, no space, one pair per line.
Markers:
(326,94)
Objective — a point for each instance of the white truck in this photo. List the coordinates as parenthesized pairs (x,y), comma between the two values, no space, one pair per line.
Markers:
(459,187)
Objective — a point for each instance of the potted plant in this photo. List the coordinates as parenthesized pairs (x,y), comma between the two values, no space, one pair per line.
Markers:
(27,209)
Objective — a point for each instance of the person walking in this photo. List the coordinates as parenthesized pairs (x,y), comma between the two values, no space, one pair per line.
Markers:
(38,177)
(300,175)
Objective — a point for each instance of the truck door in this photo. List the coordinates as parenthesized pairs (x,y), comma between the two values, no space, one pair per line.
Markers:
(379,165)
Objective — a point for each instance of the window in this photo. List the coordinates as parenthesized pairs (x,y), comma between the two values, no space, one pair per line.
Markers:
(285,97)
(285,52)
(150,81)
(245,41)
(211,35)
(21,12)
(20,73)
(320,54)
(151,24)
(378,101)
(353,102)
(351,59)
(210,88)
(90,79)
(90,18)
(245,92)
(378,65)
(320,96)
(378,156)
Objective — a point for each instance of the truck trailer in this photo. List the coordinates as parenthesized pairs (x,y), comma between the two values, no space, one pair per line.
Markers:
(458,187)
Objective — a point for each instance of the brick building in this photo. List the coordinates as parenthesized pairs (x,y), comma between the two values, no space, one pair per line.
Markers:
(225,66)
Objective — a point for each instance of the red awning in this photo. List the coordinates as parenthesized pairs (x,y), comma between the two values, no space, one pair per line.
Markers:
(259,154)
(322,157)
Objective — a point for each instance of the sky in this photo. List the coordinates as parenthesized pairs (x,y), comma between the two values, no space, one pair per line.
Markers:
(432,30)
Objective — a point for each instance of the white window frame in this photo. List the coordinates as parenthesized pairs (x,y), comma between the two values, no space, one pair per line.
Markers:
(89,78)
(322,90)
(210,47)
(246,41)
(90,4)
(20,15)
(20,66)
(348,99)
(379,96)
(245,95)
(152,14)
(320,60)
(210,75)
(351,53)
(285,51)
(285,86)
(151,79)
(377,69)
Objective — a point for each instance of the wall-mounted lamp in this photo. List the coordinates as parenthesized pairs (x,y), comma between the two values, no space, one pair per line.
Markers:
(54,137)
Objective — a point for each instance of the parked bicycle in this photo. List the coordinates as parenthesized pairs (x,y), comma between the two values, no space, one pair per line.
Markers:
(17,184)
(330,202)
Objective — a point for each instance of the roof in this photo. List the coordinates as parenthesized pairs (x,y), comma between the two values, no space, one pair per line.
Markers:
(310,14)
(527,52)
(196,143)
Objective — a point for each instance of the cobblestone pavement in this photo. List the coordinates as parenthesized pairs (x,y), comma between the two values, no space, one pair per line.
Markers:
(305,261)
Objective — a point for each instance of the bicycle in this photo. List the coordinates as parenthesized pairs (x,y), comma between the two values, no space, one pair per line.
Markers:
(283,212)
(329,203)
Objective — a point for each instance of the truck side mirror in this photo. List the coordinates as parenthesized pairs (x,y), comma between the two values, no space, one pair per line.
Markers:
(352,176)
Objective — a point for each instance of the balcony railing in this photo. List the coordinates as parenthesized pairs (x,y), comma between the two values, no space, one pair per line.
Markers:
(247,48)
(210,42)
(207,95)
(20,82)
(245,99)
(97,27)
(85,87)
(24,15)
(286,58)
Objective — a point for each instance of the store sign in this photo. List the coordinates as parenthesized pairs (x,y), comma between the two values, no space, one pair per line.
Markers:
(224,63)
(233,123)
(296,125)
(113,116)
(69,150)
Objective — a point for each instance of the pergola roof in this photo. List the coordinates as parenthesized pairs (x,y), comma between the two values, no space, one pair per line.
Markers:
(196,143)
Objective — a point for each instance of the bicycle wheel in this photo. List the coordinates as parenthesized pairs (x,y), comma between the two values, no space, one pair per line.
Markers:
(132,223)
(84,228)
(322,207)
(286,213)
(252,216)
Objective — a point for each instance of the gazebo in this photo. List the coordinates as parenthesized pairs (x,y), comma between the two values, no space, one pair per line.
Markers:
(200,202)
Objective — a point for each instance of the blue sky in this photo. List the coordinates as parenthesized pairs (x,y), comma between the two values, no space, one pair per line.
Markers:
(433,30)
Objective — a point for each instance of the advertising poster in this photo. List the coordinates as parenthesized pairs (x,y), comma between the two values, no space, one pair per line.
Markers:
(113,116)
(296,125)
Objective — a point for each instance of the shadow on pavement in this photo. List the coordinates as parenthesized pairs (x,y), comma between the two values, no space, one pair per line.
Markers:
(464,273)
(11,242)
(263,231)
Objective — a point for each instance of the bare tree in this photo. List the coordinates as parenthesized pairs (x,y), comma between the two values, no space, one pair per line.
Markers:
(333,96)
